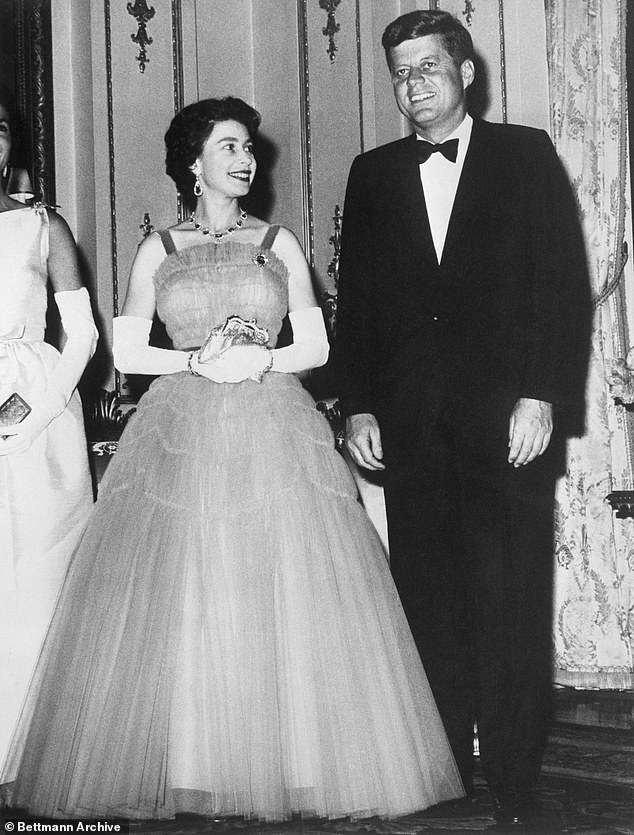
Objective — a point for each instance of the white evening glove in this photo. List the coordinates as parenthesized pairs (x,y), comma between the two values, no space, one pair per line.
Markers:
(310,346)
(133,354)
(242,362)
(81,341)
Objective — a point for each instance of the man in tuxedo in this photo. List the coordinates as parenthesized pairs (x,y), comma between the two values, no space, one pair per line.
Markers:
(462,329)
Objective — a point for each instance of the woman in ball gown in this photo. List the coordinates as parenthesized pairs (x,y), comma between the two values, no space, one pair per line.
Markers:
(45,486)
(229,640)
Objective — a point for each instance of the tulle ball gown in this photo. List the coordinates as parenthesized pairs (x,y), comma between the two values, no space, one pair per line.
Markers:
(229,640)
(45,493)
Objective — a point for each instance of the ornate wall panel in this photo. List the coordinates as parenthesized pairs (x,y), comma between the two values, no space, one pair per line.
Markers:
(510,40)
(526,69)
(140,106)
(115,90)
(485,23)
(250,49)
(335,118)
(75,151)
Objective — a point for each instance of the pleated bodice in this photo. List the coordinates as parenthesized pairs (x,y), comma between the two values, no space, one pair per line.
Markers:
(198,288)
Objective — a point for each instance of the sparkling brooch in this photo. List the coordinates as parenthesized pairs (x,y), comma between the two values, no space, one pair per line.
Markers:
(260,259)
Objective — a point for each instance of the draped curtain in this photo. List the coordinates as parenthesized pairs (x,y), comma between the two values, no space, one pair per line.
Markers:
(594,582)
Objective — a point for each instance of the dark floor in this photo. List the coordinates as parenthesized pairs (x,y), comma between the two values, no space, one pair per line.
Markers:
(565,806)
(587,786)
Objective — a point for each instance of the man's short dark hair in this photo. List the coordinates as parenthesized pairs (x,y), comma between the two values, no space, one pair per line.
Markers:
(456,39)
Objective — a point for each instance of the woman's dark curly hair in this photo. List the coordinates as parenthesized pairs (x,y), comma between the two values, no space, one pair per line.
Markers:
(190,129)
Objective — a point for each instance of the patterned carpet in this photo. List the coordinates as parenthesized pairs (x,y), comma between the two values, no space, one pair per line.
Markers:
(601,755)
(587,786)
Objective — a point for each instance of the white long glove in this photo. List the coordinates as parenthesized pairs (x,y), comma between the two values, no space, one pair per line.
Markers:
(310,346)
(81,341)
(309,349)
(132,353)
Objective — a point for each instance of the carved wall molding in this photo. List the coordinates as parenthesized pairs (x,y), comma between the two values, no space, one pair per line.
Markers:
(177,75)
(359,74)
(330,299)
(335,240)
(142,14)
(503,91)
(112,182)
(306,147)
(40,173)
(177,54)
(33,93)
(332,27)
(20,47)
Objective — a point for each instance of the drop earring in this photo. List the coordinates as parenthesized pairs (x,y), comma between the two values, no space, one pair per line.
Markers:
(198,189)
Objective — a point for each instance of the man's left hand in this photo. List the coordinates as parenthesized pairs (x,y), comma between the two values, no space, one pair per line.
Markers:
(530,429)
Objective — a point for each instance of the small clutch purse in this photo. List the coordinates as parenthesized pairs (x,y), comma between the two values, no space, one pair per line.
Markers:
(235,331)
(12,411)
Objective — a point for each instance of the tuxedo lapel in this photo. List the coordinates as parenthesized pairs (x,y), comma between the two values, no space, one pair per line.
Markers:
(408,200)
(473,193)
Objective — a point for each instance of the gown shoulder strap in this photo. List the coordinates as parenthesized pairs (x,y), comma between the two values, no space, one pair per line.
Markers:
(168,241)
(271,234)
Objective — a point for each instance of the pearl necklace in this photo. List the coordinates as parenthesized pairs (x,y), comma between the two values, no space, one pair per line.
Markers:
(218,236)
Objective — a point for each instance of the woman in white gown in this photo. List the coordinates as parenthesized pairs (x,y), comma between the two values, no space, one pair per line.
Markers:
(45,486)
(229,640)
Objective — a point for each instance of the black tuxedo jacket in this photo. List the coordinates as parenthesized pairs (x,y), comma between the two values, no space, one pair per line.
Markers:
(506,314)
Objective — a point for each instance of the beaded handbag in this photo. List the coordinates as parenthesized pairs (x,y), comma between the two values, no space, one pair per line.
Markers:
(12,411)
(235,331)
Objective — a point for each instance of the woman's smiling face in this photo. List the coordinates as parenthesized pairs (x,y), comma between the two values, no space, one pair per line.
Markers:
(227,163)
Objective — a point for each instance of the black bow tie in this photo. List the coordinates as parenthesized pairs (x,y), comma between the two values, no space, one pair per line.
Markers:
(448,149)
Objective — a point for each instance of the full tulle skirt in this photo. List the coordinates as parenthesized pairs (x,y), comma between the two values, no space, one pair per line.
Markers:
(229,640)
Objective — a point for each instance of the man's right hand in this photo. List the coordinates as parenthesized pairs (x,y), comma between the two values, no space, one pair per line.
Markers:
(363,440)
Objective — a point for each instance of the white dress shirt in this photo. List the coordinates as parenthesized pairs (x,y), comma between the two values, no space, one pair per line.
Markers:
(439,178)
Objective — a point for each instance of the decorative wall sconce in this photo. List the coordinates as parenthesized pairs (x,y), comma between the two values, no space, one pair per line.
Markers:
(146,227)
(142,14)
(469,9)
(332,27)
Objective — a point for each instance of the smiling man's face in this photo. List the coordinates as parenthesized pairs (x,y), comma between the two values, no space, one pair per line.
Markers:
(429,87)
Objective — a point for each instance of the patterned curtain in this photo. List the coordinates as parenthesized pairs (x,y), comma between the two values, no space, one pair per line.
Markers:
(594,597)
